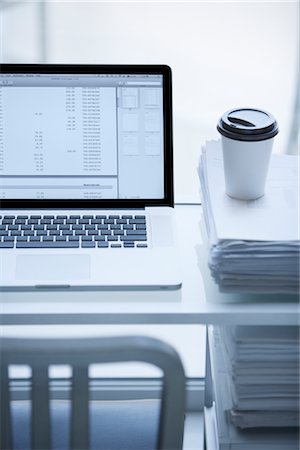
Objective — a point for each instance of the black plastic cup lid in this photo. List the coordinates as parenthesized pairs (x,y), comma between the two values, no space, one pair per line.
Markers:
(246,124)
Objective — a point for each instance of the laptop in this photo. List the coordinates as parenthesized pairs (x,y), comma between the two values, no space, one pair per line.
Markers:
(86,170)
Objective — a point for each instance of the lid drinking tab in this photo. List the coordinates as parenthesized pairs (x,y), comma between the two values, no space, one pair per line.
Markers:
(247,124)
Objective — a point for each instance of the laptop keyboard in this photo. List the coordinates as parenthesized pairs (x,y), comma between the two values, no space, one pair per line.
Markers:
(74,231)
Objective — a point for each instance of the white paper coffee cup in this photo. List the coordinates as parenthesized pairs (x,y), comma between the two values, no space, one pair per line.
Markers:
(247,140)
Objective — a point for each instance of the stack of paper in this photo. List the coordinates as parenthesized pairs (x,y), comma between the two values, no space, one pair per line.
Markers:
(256,382)
(262,369)
(254,245)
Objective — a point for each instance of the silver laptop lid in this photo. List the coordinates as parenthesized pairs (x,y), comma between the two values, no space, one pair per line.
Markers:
(85,136)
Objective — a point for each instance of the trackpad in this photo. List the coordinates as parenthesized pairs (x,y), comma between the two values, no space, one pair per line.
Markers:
(53,267)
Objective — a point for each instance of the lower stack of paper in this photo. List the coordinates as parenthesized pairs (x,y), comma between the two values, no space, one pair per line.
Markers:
(255,267)
(254,245)
(256,371)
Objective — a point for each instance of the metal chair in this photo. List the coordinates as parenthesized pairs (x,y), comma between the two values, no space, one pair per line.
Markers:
(79,354)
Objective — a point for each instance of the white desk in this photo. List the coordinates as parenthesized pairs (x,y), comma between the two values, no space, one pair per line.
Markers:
(197,302)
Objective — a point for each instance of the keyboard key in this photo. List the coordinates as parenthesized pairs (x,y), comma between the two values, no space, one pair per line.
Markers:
(134,221)
(60,238)
(48,227)
(115,227)
(87,238)
(67,233)
(140,217)
(64,227)
(16,233)
(51,233)
(112,238)
(102,244)
(88,244)
(73,238)
(44,232)
(12,227)
(8,239)
(136,232)
(34,238)
(142,245)
(6,244)
(116,245)
(133,238)
(126,217)
(128,244)
(28,233)
(99,238)
(49,244)
(119,232)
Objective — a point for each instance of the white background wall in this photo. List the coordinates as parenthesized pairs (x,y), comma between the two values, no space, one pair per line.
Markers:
(223,55)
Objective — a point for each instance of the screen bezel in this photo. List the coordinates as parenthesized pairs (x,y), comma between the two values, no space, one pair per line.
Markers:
(165,71)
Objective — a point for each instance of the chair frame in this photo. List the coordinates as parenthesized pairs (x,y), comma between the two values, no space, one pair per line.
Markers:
(80,353)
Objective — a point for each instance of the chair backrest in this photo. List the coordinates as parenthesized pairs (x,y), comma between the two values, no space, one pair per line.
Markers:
(39,354)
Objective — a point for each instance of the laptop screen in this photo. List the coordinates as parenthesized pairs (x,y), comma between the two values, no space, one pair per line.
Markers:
(89,135)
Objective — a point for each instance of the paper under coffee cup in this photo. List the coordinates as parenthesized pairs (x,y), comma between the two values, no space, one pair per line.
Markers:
(247,140)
